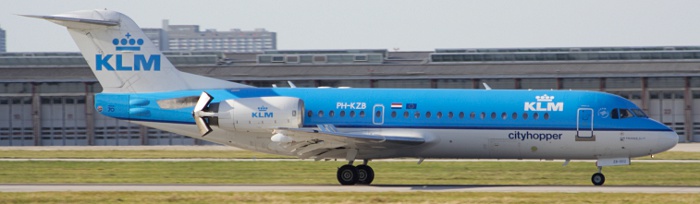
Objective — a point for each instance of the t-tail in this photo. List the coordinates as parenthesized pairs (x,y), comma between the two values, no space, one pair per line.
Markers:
(123,59)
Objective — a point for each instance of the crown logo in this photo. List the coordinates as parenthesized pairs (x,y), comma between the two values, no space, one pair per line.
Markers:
(544,98)
(128,43)
(262,108)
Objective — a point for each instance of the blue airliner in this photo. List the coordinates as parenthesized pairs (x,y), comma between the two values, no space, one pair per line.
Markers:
(143,87)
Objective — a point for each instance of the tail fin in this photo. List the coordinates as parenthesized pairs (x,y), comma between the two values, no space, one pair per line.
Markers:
(123,59)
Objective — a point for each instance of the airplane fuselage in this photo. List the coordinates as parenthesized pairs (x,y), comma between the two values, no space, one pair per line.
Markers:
(515,124)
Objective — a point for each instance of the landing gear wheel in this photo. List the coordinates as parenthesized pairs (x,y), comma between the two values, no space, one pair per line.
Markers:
(347,175)
(365,174)
(598,179)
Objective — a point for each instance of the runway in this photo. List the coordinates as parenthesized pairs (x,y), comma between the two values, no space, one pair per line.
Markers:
(338,188)
(693,147)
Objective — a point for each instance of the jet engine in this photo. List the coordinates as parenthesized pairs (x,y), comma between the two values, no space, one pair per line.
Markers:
(261,114)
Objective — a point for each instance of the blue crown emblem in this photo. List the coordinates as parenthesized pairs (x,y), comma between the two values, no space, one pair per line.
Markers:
(128,43)
(262,108)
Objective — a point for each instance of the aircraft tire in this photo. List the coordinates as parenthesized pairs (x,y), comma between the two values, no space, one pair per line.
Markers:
(348,175)
(598,179)
(365,174)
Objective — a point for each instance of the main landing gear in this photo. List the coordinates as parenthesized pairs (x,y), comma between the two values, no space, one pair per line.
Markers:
(360,174)
(598,178)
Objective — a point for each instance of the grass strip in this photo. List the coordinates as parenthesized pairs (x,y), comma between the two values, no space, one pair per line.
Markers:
(341,197)
(428,173)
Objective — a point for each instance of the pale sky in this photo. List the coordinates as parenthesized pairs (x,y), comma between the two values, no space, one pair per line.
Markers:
(410,25)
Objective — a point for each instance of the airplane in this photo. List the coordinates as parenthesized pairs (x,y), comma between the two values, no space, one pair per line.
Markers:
(140,85)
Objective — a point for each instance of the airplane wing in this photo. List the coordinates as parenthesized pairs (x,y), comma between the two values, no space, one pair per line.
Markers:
(325,141)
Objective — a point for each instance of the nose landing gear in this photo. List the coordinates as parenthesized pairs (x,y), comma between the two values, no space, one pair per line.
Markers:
(598,179)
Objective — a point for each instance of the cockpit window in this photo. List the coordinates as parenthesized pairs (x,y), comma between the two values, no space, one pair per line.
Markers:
(639,113)
(625,113)
(619,113)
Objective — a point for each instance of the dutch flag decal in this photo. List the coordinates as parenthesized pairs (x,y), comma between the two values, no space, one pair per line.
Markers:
(396,105)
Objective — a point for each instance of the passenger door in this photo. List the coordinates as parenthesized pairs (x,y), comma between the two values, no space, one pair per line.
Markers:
(584,125)
(378,114)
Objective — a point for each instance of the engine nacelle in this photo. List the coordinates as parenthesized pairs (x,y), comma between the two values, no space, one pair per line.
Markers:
(260,114)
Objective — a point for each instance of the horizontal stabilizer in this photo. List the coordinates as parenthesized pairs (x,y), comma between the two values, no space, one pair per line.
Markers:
(58,19)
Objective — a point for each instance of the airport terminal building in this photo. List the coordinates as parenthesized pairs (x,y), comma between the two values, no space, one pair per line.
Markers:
(47,98)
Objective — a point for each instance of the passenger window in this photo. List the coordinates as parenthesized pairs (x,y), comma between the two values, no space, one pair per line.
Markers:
(504,115)
(450,115)
(362,114)
(331,114)
(352,114)
(417,114)
(514,116)
(378,114)
(535,116)
(405,114)
(427,114)
(439,115)
(342,113)
(472,115)
(493,115)
(309,114)
(483,115)
(393,114)
(461,115)
(525,116)
(320,114)
(546,116)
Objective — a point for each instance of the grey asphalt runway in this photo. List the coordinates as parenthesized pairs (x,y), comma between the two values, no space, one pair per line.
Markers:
(339,188)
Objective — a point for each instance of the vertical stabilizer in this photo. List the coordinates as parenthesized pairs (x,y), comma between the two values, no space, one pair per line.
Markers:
(123,59)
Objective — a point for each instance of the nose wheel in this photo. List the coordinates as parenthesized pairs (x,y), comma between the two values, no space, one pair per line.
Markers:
(598,179)
(351,175)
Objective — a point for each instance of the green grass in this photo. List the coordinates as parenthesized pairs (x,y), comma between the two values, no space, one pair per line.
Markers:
(294,172)
(341,197)
(135,154)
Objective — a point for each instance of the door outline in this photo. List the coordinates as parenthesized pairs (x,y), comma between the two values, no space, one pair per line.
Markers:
(378,120)
(585,133)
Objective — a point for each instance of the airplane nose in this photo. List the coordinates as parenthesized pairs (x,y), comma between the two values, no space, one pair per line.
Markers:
(667,141)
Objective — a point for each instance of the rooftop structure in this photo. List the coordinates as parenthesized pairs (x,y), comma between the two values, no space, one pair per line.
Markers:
(191,38)
(3,41)
(565,54)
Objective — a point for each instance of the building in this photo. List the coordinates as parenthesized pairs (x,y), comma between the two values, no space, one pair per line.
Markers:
(190,38)
(3,41)
(47,98)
